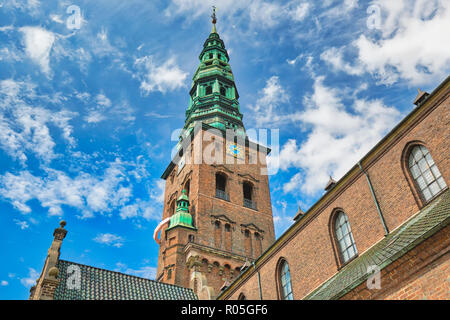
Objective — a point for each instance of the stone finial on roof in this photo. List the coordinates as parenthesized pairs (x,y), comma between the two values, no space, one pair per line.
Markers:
(330,184)
(60,233)
(299,213)
(421,96)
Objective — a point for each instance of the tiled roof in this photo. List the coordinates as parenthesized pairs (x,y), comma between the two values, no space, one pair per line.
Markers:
(100,284)
(427,222)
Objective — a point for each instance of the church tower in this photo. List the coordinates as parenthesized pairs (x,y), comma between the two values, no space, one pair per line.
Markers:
(217,211)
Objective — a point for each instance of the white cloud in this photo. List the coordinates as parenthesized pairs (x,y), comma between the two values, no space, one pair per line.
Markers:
(334,57)
(261,13)
(24,127)
(157,193)
(159,77)
(29,281)
(266,112)
(147,272)
(38,44)
(104,109)
(337,137)
(408,44)
(281,219)
(143,209)
(109,239)
(22,224)
(85,192)
(4,283)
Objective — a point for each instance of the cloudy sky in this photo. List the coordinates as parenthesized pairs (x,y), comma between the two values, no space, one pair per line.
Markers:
(90,92)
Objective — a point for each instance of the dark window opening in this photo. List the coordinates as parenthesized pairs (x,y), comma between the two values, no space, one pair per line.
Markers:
(221,183)
(187,187)
(248,194)
(172,208)
(208,90)
(210,55)
(223,91)
(247,191)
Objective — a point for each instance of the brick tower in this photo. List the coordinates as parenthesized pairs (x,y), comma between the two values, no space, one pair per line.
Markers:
(217,211)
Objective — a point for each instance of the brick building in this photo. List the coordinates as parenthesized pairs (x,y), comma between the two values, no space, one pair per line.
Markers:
(380,232)
(217,210)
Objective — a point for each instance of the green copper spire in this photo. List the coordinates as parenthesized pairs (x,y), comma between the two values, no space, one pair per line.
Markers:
(182,217)
(213,95)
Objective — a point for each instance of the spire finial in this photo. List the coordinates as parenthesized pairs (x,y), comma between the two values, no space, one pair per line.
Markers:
(214,19)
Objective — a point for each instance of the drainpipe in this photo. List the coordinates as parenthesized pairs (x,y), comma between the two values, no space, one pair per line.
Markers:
(259,281)
(386,230)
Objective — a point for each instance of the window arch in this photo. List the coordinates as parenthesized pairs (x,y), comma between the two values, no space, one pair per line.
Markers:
(172,208)
(223,91)
(258,244)
(221,186)
(217,234)
(344,238)
(247,190)
(425,173)
(187,187)
(284,280)
(228,237)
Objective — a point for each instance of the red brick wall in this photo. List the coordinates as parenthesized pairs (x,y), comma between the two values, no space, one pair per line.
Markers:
(311,252)
(204,205)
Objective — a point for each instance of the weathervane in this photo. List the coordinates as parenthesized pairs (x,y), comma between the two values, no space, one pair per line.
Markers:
(213,16)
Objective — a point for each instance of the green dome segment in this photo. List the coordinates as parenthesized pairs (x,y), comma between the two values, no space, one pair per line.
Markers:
(182,217)
(214,99)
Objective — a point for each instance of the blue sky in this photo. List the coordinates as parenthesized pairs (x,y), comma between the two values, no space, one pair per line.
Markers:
(87,108)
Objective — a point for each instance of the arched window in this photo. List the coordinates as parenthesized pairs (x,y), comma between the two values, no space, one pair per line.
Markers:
(172,208)
(223,91)
(187,187)
(425,172)
(227,237)
(221,184)
(344,237)
(248,243)
(217,234)
(258,244)
(285,281)
(247,189)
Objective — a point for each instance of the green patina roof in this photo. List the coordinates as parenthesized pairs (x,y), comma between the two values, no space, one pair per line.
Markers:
(182,217)
(427,222)
(213,97)
(100,284)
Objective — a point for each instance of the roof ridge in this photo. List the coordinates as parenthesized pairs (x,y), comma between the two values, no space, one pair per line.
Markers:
(126,274)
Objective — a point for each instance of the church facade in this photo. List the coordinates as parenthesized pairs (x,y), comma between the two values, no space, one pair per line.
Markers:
(220,177)
(380,232)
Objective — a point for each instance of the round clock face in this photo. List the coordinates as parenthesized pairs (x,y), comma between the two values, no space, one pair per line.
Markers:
(234,149)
